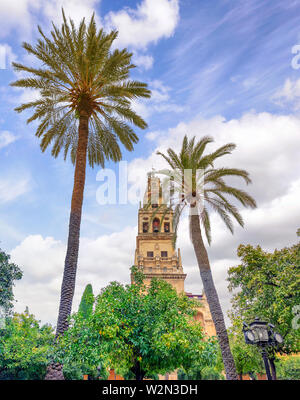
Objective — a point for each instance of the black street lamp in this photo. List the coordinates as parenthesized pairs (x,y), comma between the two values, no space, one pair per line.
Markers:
(261,333)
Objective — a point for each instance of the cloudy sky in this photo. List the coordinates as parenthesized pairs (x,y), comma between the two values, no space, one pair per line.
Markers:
(228,69)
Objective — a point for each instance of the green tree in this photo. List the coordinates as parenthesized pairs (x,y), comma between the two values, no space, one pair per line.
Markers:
(138,330)
(266,285)
(87,302)
(288,368)
(9,272)
(247,358)
(213,371)
(203,193)
(84,109)
(24,347)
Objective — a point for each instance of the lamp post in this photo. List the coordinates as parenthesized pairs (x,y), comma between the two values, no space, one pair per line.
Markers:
(261,333)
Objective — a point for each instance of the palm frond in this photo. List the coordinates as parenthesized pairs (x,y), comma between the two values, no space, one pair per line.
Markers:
(243,197)
(175,159)
(219,208)
(200,147)
(212,174)
(222,202)
(210,158)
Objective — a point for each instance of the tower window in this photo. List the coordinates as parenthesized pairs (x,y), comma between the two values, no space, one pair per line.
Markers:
(145,227)
(149,253)
(155,225)
(164,254)
(167,227)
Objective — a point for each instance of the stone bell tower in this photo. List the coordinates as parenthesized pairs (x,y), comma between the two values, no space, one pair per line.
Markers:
(155,251)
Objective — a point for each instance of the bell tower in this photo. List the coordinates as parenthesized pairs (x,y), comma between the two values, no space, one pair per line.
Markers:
(155,252)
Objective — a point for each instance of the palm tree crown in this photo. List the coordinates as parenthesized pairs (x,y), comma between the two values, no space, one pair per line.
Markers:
(204,188)
(81,76)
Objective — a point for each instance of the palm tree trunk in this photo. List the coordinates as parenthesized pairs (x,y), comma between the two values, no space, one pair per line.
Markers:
(212,296)
(54,371)
(68,283)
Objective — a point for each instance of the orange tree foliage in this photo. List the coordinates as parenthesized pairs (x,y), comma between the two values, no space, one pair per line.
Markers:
(138,331)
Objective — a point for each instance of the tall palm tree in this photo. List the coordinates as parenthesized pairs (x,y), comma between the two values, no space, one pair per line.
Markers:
(203,189)
(84,109)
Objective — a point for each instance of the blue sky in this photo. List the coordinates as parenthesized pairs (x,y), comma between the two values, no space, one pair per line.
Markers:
(221,68)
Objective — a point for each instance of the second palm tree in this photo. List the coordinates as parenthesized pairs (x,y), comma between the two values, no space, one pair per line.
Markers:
(202,187)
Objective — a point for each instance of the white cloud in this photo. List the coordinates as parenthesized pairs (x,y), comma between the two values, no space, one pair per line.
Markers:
(144,61)
(6,138)
(29,96)
(151,21)
(21,16)
(7,56)
(76,9)
(288,94)
(11,189)
(249,83)
(267,147)
(158,103)
(41,261)
(46,258)
(16,16)
(101,260)
(160,92)
(24,95)
(153,135)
